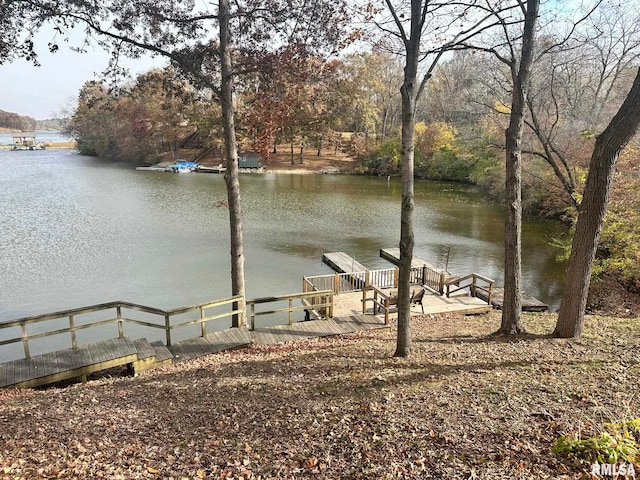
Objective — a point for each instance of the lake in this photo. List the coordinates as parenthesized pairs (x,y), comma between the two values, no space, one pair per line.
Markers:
(79,231)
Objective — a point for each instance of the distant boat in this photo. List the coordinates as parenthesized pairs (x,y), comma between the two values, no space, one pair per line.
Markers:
(182,166)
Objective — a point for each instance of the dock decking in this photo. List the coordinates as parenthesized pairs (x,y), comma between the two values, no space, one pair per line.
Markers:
(342,263)
(529,303)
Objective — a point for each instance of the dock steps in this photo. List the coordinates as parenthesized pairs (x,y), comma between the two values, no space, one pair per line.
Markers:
(64,364)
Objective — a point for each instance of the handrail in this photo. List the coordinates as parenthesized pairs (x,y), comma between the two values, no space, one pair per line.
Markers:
(473,286)
(318,302)
(73,327)
(382,304)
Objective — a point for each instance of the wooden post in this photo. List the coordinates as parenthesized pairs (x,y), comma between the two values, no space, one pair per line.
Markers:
(167,329)
(336,283)
(490,296)
(253,316)
(386,311)
(424,274)
(364,301)
(290,311)
(396,275)
(203,325)
(367,282)
(473,286)
(119,317)
(25,341)
(441,286)
(72,328)
(330,306)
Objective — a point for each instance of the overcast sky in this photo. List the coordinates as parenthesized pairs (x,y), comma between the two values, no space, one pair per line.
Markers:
(43,92)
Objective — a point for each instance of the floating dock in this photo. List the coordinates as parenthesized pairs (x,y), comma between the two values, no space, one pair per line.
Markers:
(529,303)
(343,263)
(219,169)
(152,169)
(393,255)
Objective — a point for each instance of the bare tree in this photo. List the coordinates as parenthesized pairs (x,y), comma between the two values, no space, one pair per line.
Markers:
(446,26)
(577,79)
(592,210)
(521,76)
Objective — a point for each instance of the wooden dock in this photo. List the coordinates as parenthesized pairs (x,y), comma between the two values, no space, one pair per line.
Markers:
(529,303)
(349,304)
(342,263)
(140,355)
(393,255)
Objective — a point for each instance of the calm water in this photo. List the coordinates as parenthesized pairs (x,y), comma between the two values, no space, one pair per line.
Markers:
(41,137)
(78,231)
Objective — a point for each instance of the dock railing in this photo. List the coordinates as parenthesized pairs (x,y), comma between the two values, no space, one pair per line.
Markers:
(475,283)
(384,278)
(117,315)
(380,301)
(318,301)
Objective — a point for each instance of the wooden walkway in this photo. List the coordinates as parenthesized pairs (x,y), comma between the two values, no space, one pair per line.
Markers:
(342,263)
(316,328)
(141,355)
(61,365)
(216,342)
(70,363)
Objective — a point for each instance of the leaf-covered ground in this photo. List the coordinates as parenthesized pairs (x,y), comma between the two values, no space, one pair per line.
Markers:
(464,405)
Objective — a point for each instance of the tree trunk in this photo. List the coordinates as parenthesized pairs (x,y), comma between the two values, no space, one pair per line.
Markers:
(293,162)
(409,93)
(512,308)
(592,212)
(231,175)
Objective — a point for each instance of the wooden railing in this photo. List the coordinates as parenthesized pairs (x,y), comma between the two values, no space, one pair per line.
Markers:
(337,283)
(385,278)
(473,283)
(72,325)
(320,301)
(380,301)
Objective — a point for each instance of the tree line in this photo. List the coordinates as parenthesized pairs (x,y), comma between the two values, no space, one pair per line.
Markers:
(14,121)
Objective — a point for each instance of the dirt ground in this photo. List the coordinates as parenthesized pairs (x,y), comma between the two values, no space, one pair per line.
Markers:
(465,405)
(329,161)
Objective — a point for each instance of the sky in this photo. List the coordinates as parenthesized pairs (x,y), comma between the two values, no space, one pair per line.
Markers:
(45,91)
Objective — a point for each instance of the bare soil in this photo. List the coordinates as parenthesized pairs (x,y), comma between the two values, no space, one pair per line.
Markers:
(464,405)
(329,161)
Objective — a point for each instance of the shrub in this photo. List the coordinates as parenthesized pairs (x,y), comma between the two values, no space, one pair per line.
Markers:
(617,443)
